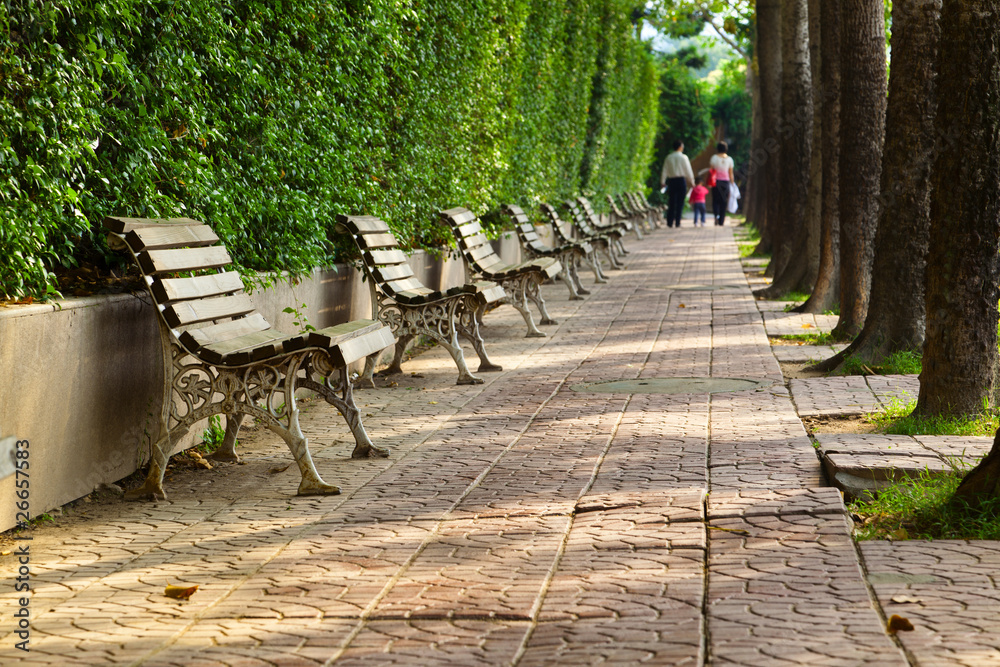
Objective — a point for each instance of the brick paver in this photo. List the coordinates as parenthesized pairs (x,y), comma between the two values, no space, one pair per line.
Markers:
(520,522)
(851,394)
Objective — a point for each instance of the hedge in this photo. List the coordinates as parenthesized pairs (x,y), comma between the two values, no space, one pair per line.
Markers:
(266,119)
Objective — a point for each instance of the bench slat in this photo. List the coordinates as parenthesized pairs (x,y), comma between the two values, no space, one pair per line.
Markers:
(194,339)
(459,215)
(470,229)
(244,349)
(406,285)
(475,241)
(363,224)
(385,274)
(184,313)
(377,257)
(174,236)
(182,289)
(183,259)
(480,254)
(120,225)
(336,335)
(372,241)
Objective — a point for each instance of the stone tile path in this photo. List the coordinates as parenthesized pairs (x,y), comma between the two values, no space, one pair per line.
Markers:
(521,522)
(851,394)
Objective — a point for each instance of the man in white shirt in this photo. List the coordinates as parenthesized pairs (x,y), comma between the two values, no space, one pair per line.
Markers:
(678,178)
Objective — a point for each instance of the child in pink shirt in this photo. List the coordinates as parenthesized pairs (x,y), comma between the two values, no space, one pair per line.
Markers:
(698,193)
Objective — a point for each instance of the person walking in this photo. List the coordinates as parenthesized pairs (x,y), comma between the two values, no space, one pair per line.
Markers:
(722,169)
(677,177)
(698,193)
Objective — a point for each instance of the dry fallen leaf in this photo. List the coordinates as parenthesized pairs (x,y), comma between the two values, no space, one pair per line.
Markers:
(897,623)
(4,553)
(433,402)
(180,592)
(199,460)
(681,305)
(275,471)
(904,599)
(808,326)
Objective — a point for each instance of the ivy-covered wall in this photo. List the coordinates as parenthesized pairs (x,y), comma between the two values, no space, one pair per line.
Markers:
(266,119)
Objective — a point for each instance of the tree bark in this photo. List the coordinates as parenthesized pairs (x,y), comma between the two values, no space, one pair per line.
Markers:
(963,267)
(815,201)
(769,59)
(826,291)
(789,235)
(895,319)
(754,195)
(862,130)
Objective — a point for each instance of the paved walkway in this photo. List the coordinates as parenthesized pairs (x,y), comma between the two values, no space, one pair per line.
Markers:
(523,521)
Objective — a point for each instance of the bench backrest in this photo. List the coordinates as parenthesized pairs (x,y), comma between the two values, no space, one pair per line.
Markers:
(580,218)
(526,231)
(637,201)
(563,230)
(615,209)
(387,265)
(472,241)
(183,265)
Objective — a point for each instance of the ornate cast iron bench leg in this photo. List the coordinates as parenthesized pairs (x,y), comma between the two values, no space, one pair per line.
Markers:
(227,450)
(532,290)
(566,275)
(440,320)
(195,390)
(572,260)
(516,289)
(595,265)
(341,396)
(468,316)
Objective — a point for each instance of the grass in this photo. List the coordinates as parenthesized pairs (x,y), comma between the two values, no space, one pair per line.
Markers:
(810,339)
(748,241)
(898,419)
(924,509)
(897,363)
(212,437)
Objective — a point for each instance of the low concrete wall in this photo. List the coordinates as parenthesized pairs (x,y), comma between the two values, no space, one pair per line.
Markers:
(82,378)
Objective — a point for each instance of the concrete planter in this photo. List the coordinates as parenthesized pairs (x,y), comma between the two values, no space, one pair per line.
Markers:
(82,379)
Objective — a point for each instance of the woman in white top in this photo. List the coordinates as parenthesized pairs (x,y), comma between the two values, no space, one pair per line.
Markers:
(722,165)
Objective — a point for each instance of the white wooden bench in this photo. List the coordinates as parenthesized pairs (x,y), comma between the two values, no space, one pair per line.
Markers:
(606,240)
(641,205)
(411,309)
(221,357)
(569,254)
(563,232)
(519,281)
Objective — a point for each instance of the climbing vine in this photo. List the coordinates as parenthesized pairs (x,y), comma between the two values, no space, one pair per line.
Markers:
(267,119)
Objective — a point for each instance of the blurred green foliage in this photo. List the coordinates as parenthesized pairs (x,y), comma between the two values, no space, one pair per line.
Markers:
(265,119)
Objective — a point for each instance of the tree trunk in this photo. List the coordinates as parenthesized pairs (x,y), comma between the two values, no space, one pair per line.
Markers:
(893,323)
(754,195)
(769,59)
(789,235)
(862,129)
(815,205)
(896,314)
(826,291)
(963,267)
(983,481)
